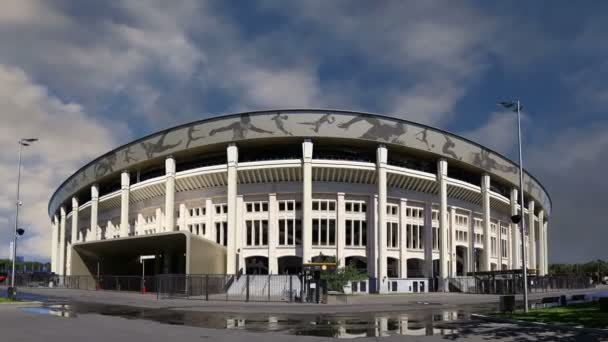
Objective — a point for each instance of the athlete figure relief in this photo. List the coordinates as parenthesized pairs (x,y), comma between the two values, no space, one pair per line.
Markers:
(379,130)
(484,161)
(191,137)
(423,137)
(105,165)
(448,146)
(240,128)
(278,121)
(127,155)
(158,147)
(326,118)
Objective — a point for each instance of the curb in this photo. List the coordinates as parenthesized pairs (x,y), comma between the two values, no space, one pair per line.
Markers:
(538,324)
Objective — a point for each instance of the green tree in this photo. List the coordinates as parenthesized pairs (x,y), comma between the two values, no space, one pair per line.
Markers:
(341,276)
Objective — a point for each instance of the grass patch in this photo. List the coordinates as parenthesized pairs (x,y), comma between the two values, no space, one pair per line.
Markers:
(7,300)
(587,315)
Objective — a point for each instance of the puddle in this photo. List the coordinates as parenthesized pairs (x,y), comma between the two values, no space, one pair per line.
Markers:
(49,311)
(421,322)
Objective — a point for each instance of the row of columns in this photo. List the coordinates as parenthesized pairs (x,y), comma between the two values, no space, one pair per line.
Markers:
(447,250)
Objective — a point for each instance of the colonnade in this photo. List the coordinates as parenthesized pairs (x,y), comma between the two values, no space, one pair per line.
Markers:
(61,246)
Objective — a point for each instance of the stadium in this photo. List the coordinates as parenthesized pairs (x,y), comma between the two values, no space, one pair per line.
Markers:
(264,193)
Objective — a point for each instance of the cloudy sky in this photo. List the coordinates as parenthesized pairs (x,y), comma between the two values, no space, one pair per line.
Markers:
(86,76)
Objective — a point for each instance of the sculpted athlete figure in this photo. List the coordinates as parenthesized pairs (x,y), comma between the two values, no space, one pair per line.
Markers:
(278,121)
(379,130)
(423,137)
(326,118)
(240,128)
(191,137)
(158,147)
(448,146)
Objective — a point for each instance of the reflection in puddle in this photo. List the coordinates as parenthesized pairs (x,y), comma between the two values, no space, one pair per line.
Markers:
(416,323)
(49,311)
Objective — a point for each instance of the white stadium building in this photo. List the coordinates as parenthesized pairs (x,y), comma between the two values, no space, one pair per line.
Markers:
(265,192)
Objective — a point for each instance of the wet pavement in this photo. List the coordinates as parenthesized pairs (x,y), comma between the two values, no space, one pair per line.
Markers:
(421,322)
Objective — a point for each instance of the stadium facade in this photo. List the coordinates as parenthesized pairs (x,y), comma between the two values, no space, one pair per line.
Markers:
(265,192)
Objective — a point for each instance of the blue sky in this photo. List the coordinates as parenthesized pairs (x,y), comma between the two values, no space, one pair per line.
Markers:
(86,76)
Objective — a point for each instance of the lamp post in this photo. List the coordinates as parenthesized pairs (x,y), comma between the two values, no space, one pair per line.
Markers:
(18,231)
(516,107)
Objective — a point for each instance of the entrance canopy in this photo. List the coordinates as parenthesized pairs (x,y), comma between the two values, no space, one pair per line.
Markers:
(176,253)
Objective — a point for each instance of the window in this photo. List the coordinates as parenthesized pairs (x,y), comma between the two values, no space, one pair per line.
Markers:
(415,236)
(288,232)
(323,232)
(462,220)
(435,215)
(493,227)
(221,233)
(196,212)
(256,207)
(221,209)
(324,205)
(436,238)
(414,213)
(355,206)
(392,235)
(287,205)
(257,232)
(493,246)
(356,233)
(504,249)
(479,238)
(392,209)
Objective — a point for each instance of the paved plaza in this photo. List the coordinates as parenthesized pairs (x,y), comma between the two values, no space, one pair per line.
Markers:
(73,315)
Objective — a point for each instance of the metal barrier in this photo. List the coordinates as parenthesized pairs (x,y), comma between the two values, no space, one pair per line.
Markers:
(259,288)
(514,284)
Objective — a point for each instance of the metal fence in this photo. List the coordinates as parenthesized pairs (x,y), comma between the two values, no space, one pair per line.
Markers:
(514,284)
(259,288)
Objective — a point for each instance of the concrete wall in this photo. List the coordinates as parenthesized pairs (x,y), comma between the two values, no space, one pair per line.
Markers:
(205,257)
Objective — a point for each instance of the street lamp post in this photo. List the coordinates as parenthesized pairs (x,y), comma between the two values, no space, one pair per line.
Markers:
(22,142)
(520,219)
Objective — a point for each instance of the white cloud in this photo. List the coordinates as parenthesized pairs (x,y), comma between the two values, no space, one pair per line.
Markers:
(68,139)
(499,132)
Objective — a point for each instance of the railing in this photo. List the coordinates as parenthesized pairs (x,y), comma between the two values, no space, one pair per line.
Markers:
(514,284)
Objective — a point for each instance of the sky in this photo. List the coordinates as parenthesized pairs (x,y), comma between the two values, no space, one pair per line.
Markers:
(87,76)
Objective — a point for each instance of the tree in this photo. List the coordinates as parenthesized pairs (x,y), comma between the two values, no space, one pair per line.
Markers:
(341,276)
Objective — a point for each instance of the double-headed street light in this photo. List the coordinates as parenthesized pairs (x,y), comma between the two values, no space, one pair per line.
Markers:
(516,107)
(18,231)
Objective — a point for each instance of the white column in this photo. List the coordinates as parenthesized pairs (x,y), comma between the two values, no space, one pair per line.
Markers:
(381,160)
(403,238)
(442,174)
(452,242)
(170,195)
(372,237)
(54,237)
(240,236)
(340,230)
(273,234)
(307,147)
(515,250)
(183,213)
(124,203)
(499,245)
(545,249)
(94,228)
(471,249)
(74,235)
(61,258)
(540,256)
(159,220)
(209,224)
(485,197)
(233,157)
(74,220)
(532,237)
(428,238)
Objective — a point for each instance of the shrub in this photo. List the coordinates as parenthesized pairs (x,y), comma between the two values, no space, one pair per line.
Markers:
(604,304)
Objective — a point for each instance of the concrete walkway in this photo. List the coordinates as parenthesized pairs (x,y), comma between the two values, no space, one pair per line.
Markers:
(20,326)
(363,303)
